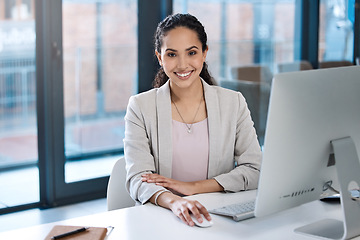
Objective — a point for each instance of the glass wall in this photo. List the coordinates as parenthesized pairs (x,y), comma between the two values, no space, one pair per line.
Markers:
(336,32)
(100,74)
(19,174)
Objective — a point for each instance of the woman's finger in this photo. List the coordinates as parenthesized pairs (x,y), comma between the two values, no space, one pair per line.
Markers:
(187,218)
(194,208)
(182,218)
(203,210)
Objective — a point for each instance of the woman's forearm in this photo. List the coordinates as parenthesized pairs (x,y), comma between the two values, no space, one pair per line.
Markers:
(165,199)
(206,186)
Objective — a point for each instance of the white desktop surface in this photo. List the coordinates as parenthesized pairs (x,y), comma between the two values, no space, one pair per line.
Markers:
(151,222)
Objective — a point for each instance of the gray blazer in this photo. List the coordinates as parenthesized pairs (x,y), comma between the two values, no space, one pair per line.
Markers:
(232,140)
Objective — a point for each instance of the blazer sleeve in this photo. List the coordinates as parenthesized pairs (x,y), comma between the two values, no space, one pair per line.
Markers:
(247,153)
(137,149)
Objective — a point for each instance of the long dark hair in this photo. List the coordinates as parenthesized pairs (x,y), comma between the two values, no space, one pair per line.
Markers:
(180,20)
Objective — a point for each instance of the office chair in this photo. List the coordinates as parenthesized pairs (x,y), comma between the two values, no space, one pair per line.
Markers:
(255,73)
(331,64)
(117,195)
(294,66)
(257,96)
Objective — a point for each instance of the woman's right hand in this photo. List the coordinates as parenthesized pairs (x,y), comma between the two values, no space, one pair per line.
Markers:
(182,208)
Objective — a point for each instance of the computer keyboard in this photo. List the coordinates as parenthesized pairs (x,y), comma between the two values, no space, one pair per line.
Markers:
(238,211)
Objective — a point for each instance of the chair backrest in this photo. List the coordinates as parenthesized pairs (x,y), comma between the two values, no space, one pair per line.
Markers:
(257,96)
(294,66)
(254,73)
(117,195)
(331,64)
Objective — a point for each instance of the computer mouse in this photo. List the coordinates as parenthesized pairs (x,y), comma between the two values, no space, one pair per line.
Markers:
(205,223)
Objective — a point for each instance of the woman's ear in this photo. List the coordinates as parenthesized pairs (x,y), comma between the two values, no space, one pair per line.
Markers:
(158,55)
(205,53)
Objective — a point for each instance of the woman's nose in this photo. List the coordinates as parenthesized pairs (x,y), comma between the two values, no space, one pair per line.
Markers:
(182,63)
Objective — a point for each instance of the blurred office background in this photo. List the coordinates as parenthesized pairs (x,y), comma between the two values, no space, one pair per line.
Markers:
(68,68)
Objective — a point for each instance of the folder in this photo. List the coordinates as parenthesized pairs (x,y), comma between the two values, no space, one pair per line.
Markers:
(92,233)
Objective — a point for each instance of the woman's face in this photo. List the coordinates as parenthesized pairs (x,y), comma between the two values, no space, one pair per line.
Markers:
(182,57)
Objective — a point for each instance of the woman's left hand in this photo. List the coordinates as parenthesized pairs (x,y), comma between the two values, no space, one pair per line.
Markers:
(185,188)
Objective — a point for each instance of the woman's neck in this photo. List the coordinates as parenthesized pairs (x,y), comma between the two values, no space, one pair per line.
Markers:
(189,95)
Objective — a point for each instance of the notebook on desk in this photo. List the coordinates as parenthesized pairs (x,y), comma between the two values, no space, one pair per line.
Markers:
(92,233)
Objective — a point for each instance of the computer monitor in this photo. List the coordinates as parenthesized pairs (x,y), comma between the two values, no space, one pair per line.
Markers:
(311,115)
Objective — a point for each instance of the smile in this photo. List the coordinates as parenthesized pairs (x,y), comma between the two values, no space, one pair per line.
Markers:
(184,74)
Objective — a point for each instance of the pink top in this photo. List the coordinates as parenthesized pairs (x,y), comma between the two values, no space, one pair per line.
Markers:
(190,151)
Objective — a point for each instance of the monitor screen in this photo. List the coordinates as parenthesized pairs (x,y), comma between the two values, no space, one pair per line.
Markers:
(307,110)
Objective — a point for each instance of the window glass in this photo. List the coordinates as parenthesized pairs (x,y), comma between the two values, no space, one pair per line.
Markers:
(100,74)
(336,34)
(19,174)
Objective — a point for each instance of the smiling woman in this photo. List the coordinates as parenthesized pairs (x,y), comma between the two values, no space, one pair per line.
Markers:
(197,35)
(183,136)
(181,57)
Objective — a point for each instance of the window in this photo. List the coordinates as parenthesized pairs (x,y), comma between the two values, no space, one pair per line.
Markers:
(100,74)
(336,31)
(19,174)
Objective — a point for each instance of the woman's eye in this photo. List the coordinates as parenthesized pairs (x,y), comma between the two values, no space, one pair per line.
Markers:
(192,53)
(171,54)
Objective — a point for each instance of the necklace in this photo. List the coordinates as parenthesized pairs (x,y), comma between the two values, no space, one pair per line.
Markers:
(188,126)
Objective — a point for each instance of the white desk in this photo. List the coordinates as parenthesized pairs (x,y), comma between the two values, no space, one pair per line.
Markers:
(151,222)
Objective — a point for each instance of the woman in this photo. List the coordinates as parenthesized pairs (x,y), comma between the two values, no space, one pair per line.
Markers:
(187,136)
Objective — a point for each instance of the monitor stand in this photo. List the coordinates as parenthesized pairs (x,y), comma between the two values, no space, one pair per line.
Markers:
(348,170)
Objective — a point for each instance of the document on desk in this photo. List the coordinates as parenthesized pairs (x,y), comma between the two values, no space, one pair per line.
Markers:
(93,233)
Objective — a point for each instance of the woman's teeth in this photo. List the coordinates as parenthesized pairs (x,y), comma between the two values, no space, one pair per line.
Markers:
(183,74)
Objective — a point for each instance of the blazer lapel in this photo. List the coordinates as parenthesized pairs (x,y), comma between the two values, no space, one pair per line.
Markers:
(164,129)
(213,112)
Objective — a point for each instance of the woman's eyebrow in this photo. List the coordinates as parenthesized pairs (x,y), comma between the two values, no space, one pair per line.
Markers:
(188,49)
(170,49)
(191,48)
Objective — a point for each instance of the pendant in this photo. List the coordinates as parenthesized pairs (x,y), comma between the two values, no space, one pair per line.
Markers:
(189,130)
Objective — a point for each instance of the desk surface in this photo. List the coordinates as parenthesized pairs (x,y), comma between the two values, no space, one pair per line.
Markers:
(150,222)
